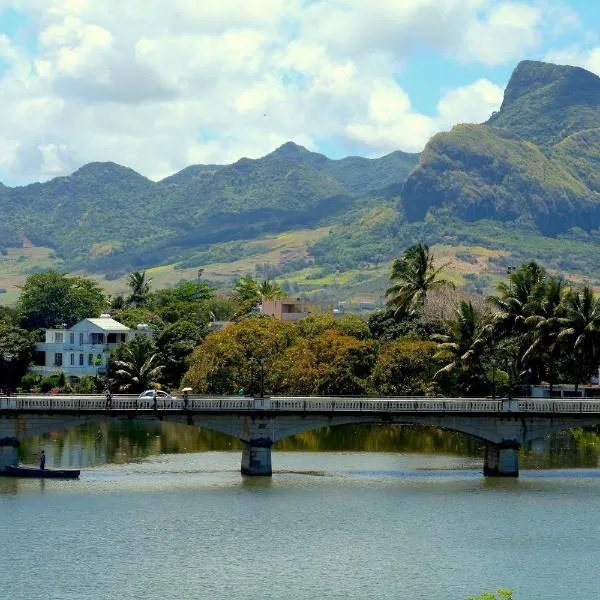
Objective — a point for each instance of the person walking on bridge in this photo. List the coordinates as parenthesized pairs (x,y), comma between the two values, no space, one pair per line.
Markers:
(42,460)
(108,395)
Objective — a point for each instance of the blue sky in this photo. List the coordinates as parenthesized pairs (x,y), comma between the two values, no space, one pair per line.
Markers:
(158,86)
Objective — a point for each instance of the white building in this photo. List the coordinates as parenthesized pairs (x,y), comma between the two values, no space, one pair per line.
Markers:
(83,349)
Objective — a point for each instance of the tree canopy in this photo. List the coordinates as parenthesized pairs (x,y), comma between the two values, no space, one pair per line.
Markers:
(54,299)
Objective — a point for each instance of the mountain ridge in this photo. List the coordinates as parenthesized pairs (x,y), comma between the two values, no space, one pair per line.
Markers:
(524,162)
(526,179)
(105,216)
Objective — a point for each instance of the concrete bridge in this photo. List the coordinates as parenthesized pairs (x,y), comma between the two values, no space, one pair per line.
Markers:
(504,425)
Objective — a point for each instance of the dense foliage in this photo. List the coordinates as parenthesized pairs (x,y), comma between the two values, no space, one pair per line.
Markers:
(431,340)
(54,300)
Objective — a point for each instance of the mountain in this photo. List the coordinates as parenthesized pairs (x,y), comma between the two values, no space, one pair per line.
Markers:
(523,185)
(106,217)
(535,161)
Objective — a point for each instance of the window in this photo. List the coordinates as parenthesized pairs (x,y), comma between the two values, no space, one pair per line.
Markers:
(81,360)
(72,359)
(81,340)
(58,359)
(71,338)
(58,337)
(90,360)
(99,359)
(96,338)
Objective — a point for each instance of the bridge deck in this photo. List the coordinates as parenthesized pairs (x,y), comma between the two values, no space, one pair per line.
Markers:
(212,404)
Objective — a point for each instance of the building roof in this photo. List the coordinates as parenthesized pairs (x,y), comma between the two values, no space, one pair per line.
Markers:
(107,323)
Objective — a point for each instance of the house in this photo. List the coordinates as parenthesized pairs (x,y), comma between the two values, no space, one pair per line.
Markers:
(286,309)
(82,349)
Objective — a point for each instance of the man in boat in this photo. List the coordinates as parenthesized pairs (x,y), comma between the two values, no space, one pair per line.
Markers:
(42,460)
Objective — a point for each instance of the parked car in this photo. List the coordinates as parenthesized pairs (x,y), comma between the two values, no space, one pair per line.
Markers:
(163,399)
(149,395)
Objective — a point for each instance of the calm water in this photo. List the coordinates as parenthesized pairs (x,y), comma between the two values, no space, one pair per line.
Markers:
(338,524)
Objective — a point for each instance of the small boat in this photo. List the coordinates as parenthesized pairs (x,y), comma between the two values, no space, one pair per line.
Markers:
(34,472)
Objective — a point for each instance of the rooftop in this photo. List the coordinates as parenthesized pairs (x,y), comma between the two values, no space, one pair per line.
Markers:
(108,323)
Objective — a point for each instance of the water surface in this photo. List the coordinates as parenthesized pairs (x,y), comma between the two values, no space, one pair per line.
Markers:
(141,523)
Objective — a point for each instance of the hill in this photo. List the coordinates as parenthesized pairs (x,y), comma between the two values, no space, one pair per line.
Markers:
(523,185)
(534,162)
(105,217)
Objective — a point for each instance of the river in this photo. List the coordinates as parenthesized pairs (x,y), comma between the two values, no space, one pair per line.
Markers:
(165,514)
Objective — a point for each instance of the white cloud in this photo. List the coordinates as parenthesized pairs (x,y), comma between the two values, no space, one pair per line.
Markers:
(472,103)
(157,85)
(508,32)
(577,57)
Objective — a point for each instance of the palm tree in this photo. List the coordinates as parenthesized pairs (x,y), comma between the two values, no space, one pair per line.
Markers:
(519,299)
(137,368)
(269,290)
(579,333)
(140,287)
(545,325)
(463,346)
(415,276)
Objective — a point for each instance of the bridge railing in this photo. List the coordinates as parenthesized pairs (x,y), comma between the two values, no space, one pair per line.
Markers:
(296,404)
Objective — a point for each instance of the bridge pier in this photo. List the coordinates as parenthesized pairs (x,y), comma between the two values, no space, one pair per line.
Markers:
(256,457)
(501,460)
(9,452)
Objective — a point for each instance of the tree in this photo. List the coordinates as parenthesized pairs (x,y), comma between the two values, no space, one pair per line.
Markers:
(175,343)
(579,334)
(16,351)
(52,299)
(190,292)
(386,325)
(328,363)
(348,324)
(462,348)
(269,290)
(519,299)
(140,287)
(135,366)
(543,350)
(221,363)
(414,275)
(511,324)
(246,290)
(405,368)
(248,293)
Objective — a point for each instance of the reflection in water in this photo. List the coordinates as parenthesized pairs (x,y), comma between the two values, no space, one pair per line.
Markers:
(126,442)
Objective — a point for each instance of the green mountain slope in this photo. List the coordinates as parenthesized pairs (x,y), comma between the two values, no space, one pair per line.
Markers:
(108,218)
(524,185)
(545,103)
(535,161)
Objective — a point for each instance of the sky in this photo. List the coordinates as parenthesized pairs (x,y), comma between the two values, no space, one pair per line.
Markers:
(158,85)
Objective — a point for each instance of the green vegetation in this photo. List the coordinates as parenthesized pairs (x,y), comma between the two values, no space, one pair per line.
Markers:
(54,300)
(107,218)
(499,595)
(534,162)
(431,339)
(524,185)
